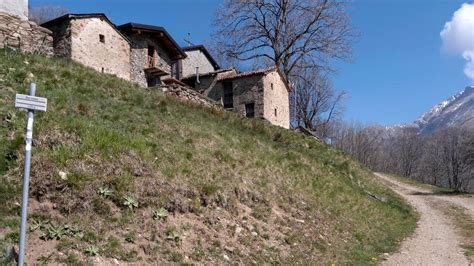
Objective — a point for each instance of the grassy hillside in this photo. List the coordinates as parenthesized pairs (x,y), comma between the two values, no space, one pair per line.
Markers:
(128,174)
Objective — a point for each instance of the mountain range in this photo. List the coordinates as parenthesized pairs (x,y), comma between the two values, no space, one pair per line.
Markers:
(456,111)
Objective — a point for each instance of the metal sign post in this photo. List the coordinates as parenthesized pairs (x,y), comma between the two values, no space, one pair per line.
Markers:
(31,103)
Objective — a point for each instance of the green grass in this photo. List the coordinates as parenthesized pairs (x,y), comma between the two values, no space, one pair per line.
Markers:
(212,170)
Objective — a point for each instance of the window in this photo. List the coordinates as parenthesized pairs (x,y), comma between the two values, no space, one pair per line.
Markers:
(102,70)
(271,85)
(101,38)
(275,112)
(250,110)
(228,95)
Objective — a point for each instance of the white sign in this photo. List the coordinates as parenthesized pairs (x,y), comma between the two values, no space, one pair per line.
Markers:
(31,102)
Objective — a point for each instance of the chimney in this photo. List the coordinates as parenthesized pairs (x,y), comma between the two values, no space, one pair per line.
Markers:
(197,75)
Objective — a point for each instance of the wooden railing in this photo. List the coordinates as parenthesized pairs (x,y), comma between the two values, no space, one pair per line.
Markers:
(151,61)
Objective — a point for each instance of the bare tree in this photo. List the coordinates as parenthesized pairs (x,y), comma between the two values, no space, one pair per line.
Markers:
(362,143)
(285,33)
(315,102)
(42,14)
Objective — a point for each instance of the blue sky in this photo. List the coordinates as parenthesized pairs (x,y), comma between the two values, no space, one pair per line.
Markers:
(398,70)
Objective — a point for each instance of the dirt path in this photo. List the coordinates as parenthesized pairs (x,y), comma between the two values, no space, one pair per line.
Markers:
(435,241)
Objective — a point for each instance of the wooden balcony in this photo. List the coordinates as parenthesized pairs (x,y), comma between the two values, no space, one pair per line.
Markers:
(155,69)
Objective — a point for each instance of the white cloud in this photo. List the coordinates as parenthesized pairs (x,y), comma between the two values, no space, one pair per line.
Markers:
(469,68)
(458,36)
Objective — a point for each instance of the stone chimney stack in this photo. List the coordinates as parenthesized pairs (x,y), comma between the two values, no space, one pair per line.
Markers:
(17,8)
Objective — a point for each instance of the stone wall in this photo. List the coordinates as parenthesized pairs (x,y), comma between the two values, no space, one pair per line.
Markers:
(276,101)
(245,89)
(111,56)
(25,35)
(187,94)
(196,58)
(17,8)
(139,58)
(62,39)
(248,90)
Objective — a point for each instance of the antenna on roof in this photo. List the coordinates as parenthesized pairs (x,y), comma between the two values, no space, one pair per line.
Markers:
(188,40)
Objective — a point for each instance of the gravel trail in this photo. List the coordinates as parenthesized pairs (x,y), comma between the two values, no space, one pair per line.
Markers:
(435,241)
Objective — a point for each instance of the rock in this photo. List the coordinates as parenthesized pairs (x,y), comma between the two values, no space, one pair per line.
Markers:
(238,229)
(226,257)
(10,253)
(115,261)
(229,249)
(254,233)
(63,175)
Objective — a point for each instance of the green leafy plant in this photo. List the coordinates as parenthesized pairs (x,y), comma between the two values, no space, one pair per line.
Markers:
(130,238)
(105,192)
(130,202)
(38,224)
(161,214)
(59,231)
(53,232)
(92,251)
(71,230)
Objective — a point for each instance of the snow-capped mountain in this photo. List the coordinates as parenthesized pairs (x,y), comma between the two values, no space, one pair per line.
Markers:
(457,111)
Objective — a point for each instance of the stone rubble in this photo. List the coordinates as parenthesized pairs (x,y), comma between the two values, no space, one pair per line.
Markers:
(188,94)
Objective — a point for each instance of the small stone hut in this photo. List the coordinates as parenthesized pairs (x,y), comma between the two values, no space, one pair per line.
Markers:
(92,40)
(261,93)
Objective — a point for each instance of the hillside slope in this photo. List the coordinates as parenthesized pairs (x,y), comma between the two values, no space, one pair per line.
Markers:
(122,173)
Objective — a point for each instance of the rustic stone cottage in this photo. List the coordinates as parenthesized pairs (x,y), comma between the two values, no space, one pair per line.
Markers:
(92,40)
(155,56)
(261,94)
(198,60)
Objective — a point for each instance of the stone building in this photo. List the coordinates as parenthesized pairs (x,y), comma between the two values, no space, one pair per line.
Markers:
(18,33)
(18,8)
(154,56)
(92,40)
(198,60)
(261,94)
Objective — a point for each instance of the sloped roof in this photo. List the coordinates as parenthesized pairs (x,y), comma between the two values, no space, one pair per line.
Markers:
(161,33)
(203,49)
(256,73)
(210,73)
(63,18)
(249,73)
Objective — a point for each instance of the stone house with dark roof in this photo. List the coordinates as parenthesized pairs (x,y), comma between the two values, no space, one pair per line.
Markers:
(92,40)
(149,56)
(261,94)
(198,60)
(145,54)
(154,54)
